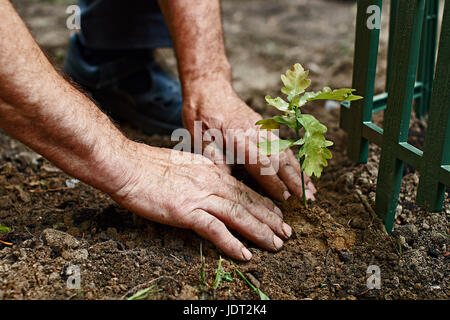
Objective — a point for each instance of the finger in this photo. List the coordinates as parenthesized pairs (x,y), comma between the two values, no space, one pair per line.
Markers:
(309,195)
(259,166)
(236,217)
(308,183)
(294,162)
(263,172)
(259,200)
(254,198)
(288,173)
(211,228)
(311,187)
(250,200)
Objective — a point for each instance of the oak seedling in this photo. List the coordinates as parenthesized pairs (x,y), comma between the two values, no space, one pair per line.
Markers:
(313,153)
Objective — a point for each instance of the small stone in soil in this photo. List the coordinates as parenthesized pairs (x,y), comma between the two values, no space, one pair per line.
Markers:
(71,183)
(58,239)
(432,252)
(345,182)
(28,159)
(358,223)
(345,257)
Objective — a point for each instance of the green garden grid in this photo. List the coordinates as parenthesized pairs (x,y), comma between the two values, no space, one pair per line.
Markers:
(413,75)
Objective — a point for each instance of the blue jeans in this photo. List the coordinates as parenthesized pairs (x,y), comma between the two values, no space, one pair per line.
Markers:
(120,24)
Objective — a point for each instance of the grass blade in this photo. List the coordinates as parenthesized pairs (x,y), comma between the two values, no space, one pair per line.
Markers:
(261,294)
(218,278)
(144,293)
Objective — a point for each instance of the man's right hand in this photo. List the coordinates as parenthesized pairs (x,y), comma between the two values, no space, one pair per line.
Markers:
(198,195)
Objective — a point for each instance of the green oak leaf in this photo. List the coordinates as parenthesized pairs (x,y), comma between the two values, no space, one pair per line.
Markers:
(315,154)
(268,124)
(274,123)
(305,98)
(343,94)
(278,103)
(314,149)
(297,102)
(288,120)
(295,81)
(311,124)
(268,147)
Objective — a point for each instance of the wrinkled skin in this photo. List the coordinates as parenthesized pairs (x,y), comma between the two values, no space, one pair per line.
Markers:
(222,108)
(199,196)
(45,112)
(208,96)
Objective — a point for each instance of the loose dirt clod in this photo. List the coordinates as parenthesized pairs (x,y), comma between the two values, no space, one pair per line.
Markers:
(59,240)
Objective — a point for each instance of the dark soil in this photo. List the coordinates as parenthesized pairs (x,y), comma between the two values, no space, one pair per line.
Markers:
(334,241)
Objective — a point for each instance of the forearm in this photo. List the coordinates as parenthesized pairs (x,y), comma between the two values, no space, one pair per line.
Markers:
(45,112)
(196,30)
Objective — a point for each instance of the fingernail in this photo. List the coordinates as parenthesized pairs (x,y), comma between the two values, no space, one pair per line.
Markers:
(312,187)
(277,242)
(265,161)
(286,195)
(246,254)
(278,211)
(287,230)
(310,196)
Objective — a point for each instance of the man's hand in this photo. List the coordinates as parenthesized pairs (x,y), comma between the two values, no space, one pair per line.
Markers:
(42,110)
(217,106)
(208,96)
(199,196)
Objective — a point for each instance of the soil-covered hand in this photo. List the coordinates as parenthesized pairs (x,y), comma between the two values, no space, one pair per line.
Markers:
(188,191)
(217,106)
